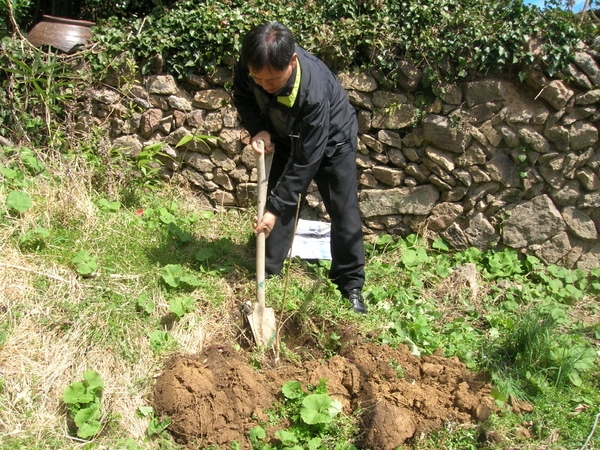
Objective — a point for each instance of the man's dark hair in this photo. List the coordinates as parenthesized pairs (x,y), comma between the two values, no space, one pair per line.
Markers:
(270,44)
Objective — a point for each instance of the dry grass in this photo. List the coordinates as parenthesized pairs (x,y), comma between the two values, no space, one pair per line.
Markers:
(54,335)
(39,360)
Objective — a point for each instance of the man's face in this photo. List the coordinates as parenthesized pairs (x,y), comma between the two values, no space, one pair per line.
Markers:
(272,80)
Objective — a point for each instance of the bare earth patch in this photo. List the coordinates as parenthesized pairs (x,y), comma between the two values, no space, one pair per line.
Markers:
(215,398)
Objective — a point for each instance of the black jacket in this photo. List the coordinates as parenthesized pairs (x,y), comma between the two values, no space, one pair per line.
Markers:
(306,126)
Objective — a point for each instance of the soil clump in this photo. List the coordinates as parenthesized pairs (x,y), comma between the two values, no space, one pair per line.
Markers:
(216,397)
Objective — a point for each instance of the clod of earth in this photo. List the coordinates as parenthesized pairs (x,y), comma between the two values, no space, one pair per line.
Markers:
(215,398)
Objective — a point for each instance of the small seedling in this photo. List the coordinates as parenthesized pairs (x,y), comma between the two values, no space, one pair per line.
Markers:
(145,304)
(161,341)
(180,306)
(34,239)
(18,201)
(397,368)
(312,415)
(82,399)
(157,426)
(174,276)
(108,206)
(84,263)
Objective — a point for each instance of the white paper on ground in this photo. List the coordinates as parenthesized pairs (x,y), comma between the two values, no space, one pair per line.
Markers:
(312,240)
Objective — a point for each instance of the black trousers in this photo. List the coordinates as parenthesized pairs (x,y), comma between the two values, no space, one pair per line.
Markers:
(336,180)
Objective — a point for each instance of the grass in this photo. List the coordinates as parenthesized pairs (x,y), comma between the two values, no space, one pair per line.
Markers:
(169,276)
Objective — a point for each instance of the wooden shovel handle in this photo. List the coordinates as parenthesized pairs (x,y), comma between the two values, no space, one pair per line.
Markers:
(263,166)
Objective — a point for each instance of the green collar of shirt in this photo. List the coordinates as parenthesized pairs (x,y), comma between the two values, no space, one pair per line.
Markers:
(288,100)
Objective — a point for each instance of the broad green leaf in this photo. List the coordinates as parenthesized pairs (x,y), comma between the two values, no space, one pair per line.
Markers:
(415,257)
(88,429)
(335,408)
(181,305)
(94,380)
(157,426)
(315,409)
(171,274)
(86,415)
(440,244)
(34,236)
(166,217)
(191,280)
(84,263)
(145,304)
(176,231)
(207,215)
(19,201)
(314,443)
(292,390)
(383,240)
(205,254)
(76,393)
(577,294)
(9,174)
(287,438)
(442,271)
(145,411)
(575,378)
(498,395)
(587,358)
(106,205)
(160,340)
(257,433)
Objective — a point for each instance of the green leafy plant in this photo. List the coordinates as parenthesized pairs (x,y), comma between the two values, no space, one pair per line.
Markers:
(162,341)
(39,85)
(446,39)
(85,264)
(34,239)
(148,164)
(202,138)
(145,304)
(314,417)
(180,306)
(175,276)
(533,351)
(108,206)
(82,399)
(18,201)
(166,217)
(157,427)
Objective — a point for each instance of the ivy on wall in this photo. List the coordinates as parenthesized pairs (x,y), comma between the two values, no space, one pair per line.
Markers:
(447,39)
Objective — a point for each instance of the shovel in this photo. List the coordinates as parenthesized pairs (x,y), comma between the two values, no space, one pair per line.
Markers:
(262,319)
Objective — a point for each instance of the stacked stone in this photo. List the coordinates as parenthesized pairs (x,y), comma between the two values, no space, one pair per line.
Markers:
(491,163)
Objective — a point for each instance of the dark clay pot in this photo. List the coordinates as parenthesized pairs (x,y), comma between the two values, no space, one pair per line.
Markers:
(67,35)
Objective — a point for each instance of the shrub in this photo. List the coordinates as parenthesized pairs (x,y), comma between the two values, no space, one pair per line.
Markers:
(447,39)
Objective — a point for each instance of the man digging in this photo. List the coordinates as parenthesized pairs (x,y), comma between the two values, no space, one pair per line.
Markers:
(291,101)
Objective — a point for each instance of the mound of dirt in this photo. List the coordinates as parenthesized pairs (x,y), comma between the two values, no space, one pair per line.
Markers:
(215,398)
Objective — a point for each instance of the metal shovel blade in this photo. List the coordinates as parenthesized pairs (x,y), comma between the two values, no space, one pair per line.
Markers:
(262,319)
(263,325)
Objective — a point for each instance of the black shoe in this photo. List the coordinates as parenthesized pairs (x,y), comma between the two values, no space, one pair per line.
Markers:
(356,300)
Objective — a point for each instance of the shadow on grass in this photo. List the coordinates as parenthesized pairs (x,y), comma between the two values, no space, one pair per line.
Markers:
(202,254)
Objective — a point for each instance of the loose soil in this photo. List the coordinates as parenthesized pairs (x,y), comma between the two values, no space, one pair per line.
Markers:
(216,397)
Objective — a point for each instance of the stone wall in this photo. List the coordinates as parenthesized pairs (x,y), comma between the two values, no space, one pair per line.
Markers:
(490,163)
